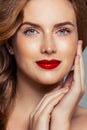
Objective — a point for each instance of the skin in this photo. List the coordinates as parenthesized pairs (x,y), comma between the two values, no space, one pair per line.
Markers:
(41,93)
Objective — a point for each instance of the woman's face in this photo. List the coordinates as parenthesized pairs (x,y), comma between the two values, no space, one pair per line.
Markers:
(45,44)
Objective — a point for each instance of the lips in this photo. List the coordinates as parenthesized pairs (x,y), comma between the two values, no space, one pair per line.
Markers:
(48,64)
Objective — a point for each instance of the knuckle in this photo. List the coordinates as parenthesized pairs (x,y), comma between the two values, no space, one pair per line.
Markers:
(38,118)
(33,115)
(46,95)
(34,118)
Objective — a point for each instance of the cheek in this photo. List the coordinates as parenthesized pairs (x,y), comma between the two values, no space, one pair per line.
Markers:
(67,47)
(23,48)
(67,52)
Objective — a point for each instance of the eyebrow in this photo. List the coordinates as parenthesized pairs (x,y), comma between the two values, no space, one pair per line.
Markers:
(64,24)
(38,26)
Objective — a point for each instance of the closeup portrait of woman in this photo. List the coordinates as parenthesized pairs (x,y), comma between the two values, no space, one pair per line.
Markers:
(41,65)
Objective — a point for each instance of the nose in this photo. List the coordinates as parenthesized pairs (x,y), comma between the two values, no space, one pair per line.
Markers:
(48,45)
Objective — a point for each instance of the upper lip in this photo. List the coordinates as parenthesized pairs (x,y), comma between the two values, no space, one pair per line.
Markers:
(45,61)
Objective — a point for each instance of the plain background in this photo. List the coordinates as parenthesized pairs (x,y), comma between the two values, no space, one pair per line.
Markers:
(83,101)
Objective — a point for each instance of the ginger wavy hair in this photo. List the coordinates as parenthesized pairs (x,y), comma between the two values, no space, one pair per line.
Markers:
(11,15)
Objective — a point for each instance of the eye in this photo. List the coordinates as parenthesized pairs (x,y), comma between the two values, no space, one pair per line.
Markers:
(63,31)
(30,32)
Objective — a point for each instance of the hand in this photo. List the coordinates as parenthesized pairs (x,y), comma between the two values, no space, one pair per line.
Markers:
(63,112)
(40,117)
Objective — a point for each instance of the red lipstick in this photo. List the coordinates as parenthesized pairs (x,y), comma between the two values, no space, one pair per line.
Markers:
(48,64)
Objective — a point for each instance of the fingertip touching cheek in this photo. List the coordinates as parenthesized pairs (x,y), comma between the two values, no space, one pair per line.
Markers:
(47,36)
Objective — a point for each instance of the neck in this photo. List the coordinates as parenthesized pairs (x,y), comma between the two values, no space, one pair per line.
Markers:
(29,93)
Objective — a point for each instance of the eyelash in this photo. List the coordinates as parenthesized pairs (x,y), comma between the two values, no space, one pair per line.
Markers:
(63,31)
(30,31)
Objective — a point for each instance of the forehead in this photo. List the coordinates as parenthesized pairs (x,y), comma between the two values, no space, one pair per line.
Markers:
(49,10)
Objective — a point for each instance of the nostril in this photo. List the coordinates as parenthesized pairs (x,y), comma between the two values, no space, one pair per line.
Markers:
(48,50)
(48,45)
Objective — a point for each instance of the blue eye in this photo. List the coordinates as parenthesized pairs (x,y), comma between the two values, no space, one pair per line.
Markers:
(30,32)
(63,31)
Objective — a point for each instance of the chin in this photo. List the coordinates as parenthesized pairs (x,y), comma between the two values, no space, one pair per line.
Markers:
(48,85)
(50,81)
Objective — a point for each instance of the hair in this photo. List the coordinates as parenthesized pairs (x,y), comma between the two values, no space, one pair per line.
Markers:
(11,15)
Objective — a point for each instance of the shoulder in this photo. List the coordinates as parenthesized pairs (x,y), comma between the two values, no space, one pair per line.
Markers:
(79,120)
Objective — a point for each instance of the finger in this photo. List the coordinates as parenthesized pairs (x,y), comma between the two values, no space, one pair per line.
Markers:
(68,80)
(79,48)
(47,98)
(45,113)
(76,86)
(51,105)
(43,117)
(82,73)
(77,73)
(37,114)
(81,67)
(72,97)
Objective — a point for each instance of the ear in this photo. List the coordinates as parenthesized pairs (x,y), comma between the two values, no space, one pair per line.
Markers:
(10,47)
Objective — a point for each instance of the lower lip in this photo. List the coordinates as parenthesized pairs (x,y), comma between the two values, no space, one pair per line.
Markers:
(48,66)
